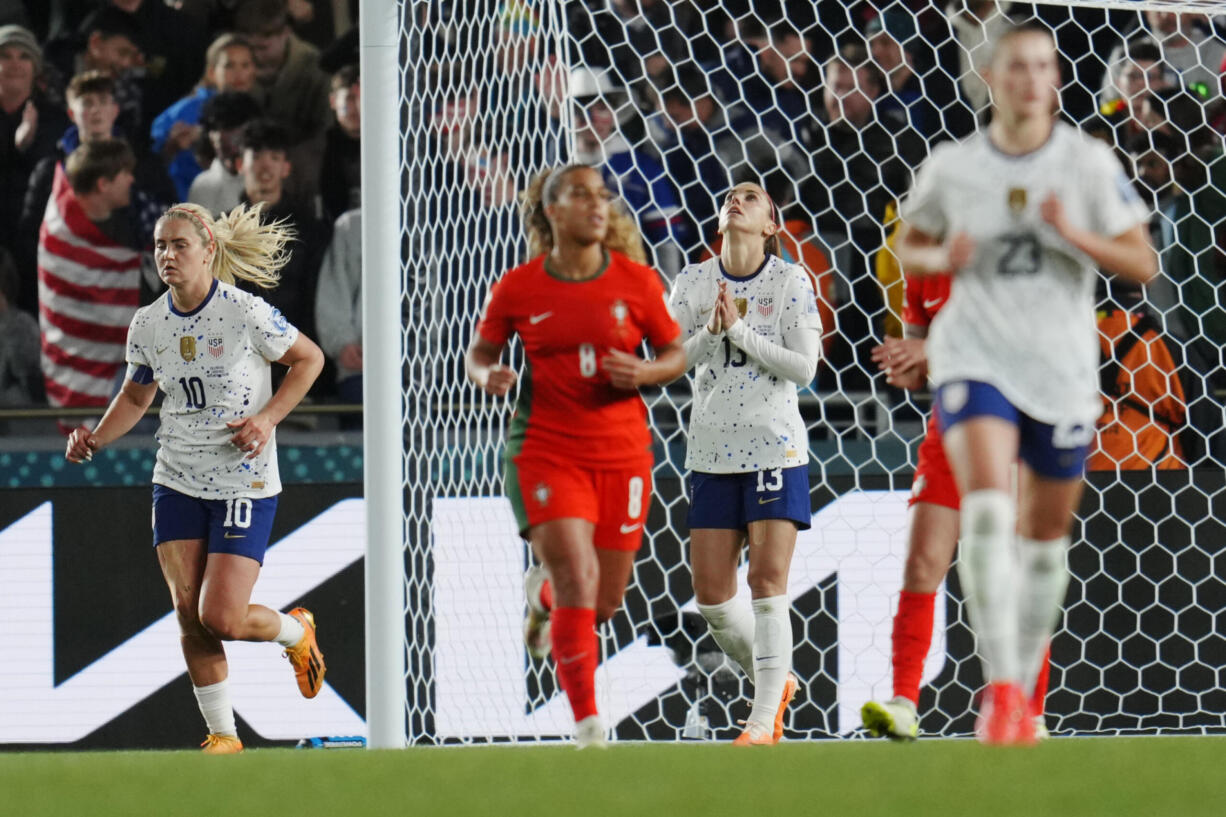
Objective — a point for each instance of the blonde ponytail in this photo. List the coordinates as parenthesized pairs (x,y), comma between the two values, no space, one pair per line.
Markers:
(245,247)
(623,233)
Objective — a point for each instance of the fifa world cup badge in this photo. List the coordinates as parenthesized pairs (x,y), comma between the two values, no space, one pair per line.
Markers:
(1017,200)
(187,348)
(742,306)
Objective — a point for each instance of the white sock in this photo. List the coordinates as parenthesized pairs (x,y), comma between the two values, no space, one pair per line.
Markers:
(732,627)
(772,657)
(291,631)
(987,567)
(214,703)
(1044,580)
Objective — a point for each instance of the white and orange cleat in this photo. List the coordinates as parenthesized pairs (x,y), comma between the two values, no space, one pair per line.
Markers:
(1004,717)
(789,692)
(536,625)
(222,745)
(755,735)
(305,657)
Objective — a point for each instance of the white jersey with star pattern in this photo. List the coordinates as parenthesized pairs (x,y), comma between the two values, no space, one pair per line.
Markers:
(744,417)
(1021,313)
(212,365)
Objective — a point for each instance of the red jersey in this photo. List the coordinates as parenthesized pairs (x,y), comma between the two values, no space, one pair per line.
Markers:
(567,409)
(925,295)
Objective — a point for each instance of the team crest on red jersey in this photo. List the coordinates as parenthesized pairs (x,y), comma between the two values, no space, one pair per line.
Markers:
(542,492)
(619,311)
(766,305)
(217,347)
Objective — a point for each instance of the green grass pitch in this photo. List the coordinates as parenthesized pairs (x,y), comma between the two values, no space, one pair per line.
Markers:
(1155,777)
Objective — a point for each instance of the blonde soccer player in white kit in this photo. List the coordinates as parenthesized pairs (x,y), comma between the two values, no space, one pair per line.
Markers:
(207,345)
(753,335)
(1023,213)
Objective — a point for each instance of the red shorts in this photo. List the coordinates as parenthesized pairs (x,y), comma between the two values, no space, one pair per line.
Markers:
(616,500)
(934,481)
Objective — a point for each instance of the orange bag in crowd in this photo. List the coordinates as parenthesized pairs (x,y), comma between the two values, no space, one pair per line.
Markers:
(1144,407)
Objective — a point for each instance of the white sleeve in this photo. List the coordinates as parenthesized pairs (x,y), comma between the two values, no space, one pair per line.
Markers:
(271,334)
(922,207)
(136,352)
(1117,207)
(699,344)
(795,360)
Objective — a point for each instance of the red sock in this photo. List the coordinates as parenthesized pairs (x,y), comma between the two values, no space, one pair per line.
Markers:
(1040,684)
(546,595)
(912,637)
(576,655)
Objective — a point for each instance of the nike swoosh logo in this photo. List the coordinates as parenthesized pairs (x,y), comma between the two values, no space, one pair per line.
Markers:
(229,535)
(572,659)
(535,319)
(932,304)
(631,528)
(159,351)
(762,501)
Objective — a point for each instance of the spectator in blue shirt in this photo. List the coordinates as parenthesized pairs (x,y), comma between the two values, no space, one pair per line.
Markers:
(229,66)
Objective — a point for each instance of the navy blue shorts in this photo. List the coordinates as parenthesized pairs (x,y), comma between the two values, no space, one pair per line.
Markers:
(1054,452)
(238,526)
(732,501)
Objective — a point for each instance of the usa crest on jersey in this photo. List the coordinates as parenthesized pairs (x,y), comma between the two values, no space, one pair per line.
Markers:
(217,346)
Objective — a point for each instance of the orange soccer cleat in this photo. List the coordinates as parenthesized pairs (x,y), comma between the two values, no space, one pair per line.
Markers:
(305,657)
(1004,717)
(222,745)
(755,735)
(789,692)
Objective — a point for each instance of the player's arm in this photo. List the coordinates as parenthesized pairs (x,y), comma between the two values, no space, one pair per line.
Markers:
(904,360)
(795,359)
(125,410)
(481,364)
(627,371)
(305,361)
(1130,255)
(922,254)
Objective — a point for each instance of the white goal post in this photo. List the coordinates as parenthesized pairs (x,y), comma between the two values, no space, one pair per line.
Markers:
(463,102)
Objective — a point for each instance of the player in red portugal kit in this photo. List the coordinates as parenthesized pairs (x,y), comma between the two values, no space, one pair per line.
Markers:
(933,530)
(577,463)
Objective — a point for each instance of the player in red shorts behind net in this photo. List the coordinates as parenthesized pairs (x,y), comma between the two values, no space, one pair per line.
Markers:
(933,531)
(577,464)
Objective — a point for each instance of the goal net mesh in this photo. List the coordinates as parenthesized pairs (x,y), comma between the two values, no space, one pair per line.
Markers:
(831,106)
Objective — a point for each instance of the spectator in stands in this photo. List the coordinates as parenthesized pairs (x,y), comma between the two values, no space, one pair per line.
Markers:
(229,66)
(707,146)
(781,89)
(84,315)
(338,305)
(290,87)
(340,183)
(888,34)
(1188,47)
(21,382)
(602,110)
(108,40)
(173,51)
(1181,162)
(1137,73)
(29,127)
(632,38)
(220,187)
(863,159)
(976,24)
(93,110)
(265,169)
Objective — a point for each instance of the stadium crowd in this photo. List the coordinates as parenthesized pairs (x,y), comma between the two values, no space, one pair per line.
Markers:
(112,109)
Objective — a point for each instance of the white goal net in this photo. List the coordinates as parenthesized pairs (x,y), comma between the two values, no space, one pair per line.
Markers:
(831,106)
